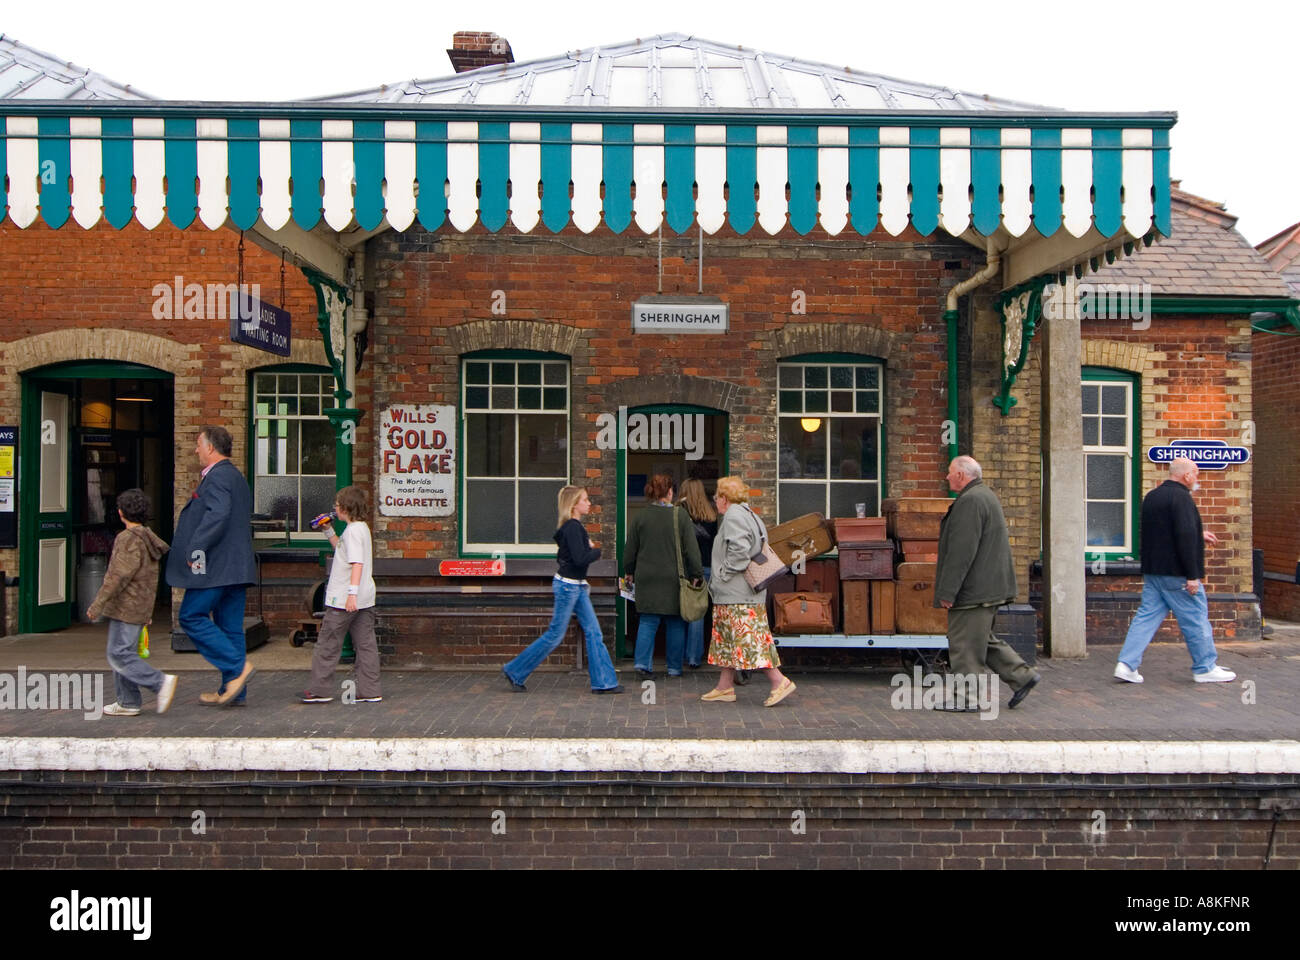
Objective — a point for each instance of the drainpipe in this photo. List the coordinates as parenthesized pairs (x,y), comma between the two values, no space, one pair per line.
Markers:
(950,317)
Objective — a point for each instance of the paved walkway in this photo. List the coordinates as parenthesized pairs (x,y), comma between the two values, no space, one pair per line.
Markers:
(1077,701)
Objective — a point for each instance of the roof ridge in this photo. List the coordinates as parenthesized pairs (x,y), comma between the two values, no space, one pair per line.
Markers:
(884,83)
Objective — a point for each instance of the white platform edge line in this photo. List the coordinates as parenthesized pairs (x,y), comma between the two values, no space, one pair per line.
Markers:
(618,754)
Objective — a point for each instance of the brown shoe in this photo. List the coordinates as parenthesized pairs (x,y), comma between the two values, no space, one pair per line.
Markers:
(209,698)
(234,686)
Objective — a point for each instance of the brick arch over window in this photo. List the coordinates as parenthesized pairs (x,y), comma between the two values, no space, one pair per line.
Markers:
(860,338)
(539,336)
(1130,357)
(674,388)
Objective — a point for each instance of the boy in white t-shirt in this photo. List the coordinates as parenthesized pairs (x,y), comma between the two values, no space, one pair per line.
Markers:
(349,604)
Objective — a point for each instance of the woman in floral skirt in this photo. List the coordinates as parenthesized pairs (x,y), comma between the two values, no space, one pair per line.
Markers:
(742,639)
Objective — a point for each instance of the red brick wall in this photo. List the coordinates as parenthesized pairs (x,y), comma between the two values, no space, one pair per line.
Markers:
(427,285)
(57,284)
(1277,497)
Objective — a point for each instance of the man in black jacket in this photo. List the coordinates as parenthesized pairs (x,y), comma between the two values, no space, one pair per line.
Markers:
(1173,565)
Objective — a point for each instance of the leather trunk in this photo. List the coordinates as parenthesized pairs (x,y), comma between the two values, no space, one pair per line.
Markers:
(914,609)
(857,616)
(809,533)
(867,561)
(882,606)
(915,518)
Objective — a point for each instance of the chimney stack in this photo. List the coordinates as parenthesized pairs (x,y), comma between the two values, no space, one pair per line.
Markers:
(471,49)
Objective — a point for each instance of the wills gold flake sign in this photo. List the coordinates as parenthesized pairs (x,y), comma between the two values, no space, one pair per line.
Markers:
(417,461)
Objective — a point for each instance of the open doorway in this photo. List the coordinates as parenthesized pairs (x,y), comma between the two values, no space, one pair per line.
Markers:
(88,431)
(680,440)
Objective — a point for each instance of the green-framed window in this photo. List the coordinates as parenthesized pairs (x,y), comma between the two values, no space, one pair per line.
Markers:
(829,434)
(292,445)
(515,450)
(1111,446)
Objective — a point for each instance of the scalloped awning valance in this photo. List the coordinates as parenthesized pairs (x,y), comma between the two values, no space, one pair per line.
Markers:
(369,167)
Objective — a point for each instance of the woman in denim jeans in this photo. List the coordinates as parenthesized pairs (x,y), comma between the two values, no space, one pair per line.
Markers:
(572,595)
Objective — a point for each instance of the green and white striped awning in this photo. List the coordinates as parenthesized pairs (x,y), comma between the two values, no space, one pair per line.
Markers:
(369,166)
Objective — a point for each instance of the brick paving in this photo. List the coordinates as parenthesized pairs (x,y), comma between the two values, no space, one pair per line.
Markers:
(1077,700)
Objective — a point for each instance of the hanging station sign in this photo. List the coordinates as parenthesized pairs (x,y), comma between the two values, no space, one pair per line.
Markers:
(417,461)
(257,324)
(679,315)
(1206,454)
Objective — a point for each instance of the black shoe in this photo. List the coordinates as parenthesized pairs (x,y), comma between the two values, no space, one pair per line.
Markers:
(644,674)
(694,666)
(618,689)
(742,677)
(514,687)
(1024,691)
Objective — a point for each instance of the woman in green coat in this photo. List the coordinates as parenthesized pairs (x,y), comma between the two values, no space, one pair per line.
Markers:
(650,561)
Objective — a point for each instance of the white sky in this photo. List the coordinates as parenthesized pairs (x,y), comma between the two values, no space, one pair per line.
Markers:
(1228,69)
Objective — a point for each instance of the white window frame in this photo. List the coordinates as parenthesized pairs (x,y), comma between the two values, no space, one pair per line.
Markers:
(327,401)
(827,481)
(1129,547)
(546,548)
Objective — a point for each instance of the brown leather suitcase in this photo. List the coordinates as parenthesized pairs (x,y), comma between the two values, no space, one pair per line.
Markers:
(803,613)
(859,529)
(822,576)
(782,584)
(882,605)
(914,609)
(919,551)
(915,518)
(867,561)
(857,616)
(809,533)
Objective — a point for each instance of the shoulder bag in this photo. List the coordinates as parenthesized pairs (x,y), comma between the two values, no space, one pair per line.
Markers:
(764,566)
(693,600)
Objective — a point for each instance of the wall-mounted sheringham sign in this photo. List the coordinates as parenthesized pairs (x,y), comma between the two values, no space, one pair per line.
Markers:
(417,461)
(679,315)
(1206,454)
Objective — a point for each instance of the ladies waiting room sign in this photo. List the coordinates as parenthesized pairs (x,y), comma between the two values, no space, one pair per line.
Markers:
(417,461)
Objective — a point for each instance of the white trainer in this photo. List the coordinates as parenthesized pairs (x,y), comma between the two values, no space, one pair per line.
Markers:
(1124,672)
(1217,675)
(166,692)
(117,710)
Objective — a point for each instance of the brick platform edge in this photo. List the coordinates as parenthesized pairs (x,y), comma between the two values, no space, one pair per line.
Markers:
(928,817)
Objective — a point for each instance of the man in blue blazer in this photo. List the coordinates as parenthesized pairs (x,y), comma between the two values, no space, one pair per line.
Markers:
(212,559)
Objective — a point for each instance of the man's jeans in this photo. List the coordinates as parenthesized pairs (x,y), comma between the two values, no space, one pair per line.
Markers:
(214,620)
(130,673)
(570,598)
(695,632)
(1161,594)
(675,637)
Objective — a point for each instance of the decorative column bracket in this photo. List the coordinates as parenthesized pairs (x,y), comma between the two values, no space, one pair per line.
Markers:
(1020,310)
(332,301)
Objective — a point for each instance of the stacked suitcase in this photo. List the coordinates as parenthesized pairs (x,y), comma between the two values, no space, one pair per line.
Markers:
(914,523)
(866,558)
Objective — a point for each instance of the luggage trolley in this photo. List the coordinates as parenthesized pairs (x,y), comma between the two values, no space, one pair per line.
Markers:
(867,555)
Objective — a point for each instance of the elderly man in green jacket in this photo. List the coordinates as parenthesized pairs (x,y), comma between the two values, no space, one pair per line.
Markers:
(975,576)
